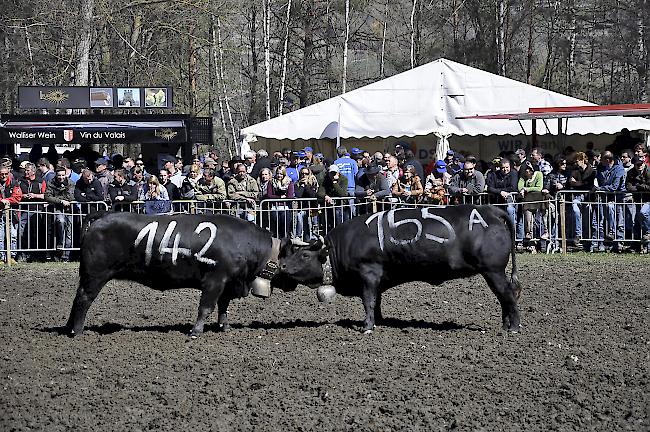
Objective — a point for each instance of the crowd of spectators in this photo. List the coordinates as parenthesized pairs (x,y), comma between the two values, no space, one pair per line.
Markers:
(525,184)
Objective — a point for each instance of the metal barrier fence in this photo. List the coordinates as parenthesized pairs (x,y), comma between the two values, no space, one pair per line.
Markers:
(581,220)
(43,228)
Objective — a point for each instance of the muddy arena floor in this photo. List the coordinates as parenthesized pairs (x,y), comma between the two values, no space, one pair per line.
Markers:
(441,362)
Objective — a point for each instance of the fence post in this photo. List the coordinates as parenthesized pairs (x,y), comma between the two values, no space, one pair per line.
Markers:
(7,235)
(563,222)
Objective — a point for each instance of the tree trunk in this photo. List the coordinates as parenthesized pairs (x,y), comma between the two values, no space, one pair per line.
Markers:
(345,46)
(223,85)
(83,47)
(415,2)
(382,73)
(529,51)
(307,57)
(285,50)
(191,70)
(217,74)
(501,37)
(28,40)
(641,64)
(253,112)
(572,54)
(267,56)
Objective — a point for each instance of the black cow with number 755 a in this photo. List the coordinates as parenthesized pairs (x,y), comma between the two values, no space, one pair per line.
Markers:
(370,254)
(221,255)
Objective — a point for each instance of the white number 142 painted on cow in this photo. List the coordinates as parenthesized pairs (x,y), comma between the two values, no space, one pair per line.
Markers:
(475,217)
(149,231)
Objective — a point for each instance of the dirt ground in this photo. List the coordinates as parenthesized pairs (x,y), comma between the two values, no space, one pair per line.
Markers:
(581,361)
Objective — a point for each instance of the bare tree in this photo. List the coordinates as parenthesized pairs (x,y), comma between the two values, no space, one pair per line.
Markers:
(383,42)
(284,60)
(346,40)
(83,47)
(415,3)
(267,55)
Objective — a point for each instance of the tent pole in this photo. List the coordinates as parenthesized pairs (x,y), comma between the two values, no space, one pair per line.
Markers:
(534,126)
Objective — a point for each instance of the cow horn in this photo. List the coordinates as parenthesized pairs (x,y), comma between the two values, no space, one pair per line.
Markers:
(298,242)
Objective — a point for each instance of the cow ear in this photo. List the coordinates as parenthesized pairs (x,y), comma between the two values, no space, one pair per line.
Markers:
(285,247)
(322,256)
(315,244)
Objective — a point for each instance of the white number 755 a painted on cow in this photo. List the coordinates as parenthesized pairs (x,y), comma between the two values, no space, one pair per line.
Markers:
(392,225)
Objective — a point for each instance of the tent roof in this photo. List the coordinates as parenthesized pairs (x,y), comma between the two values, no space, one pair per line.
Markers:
(432,98)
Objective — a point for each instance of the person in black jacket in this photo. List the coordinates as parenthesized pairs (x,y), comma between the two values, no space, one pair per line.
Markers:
(172,190)
(581,179)
(89,188)
(262,161)
(502,187)
(121,192)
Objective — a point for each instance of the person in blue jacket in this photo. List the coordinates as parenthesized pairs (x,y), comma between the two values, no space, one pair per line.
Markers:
(347,167)
(610,190)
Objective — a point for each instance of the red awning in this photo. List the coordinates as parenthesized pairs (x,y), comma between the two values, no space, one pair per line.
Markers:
(570,112)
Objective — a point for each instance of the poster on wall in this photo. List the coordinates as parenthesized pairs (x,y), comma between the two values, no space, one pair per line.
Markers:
(101,97)
(128,97)
(155,97)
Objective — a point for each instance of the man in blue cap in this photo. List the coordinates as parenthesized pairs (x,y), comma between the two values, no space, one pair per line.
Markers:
(309,154)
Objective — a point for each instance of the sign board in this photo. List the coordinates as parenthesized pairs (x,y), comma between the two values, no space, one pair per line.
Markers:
(94,135)
(69,97)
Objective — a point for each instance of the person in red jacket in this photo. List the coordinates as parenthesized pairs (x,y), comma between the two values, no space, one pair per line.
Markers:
(10,196)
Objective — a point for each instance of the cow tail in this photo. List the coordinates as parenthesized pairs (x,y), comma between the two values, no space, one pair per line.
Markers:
(88,220)
(514,278)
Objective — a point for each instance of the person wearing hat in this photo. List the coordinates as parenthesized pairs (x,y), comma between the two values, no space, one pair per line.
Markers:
(456,164)
(371,185)
(335,185)
(102,174)
(309,156)
(356,153)
(449,157)
(435,185)
(175,176)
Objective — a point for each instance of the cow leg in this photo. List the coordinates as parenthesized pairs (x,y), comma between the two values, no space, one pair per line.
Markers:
(379,317)
(222,307)
(211,292)
(370,278)
(505,292)
(89,288)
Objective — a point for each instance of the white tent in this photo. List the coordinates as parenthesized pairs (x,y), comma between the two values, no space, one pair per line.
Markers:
(427,100)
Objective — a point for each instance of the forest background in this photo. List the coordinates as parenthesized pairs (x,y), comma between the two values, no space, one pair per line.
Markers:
(242,62)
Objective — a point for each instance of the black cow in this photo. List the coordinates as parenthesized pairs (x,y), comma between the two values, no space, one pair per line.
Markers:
(372,253)
(220,255)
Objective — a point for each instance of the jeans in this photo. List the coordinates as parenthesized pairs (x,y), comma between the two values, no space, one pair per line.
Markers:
(645,218)
(305,224)
(12,237)
(615,219)
(245,214)
(63,229)
(577,214)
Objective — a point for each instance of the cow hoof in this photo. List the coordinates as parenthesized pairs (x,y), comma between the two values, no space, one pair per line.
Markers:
(369,331)
(224,327)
